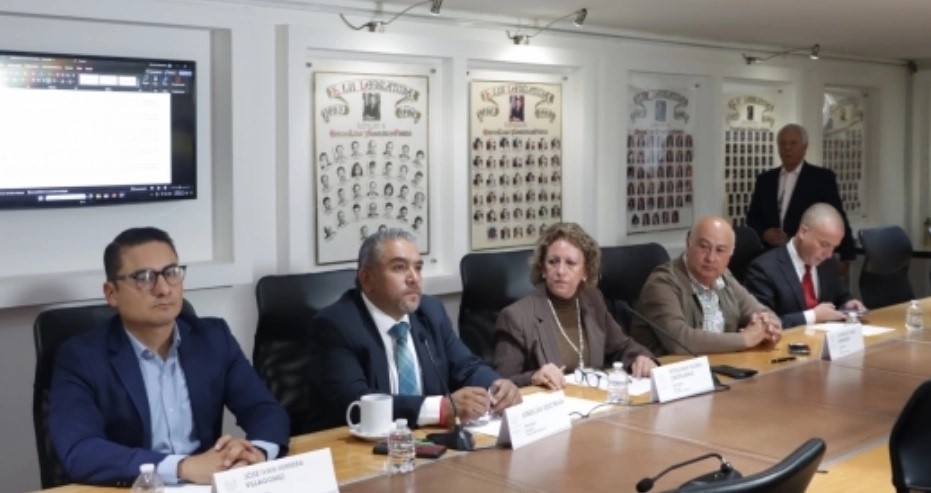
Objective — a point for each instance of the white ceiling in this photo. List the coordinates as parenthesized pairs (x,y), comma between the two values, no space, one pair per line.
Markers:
(890,29)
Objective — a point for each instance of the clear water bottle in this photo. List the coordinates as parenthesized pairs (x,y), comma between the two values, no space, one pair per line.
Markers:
(914,317)
(401,450)
(617,385)
(148,481)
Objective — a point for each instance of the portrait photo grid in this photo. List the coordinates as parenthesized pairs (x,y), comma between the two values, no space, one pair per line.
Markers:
(749,149)
(371,160)
(516,162)
(845,145)
(659,178)
(660,158)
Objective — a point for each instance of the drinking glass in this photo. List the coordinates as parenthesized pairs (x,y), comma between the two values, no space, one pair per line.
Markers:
(485,418)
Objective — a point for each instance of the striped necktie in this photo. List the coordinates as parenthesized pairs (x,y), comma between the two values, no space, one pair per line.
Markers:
(404,360)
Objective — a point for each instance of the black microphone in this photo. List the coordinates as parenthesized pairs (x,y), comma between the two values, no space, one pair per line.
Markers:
(656,328)
(727,471)
(459,438)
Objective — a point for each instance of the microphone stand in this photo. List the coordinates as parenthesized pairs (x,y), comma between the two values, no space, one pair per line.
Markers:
(458,438)
(726,471)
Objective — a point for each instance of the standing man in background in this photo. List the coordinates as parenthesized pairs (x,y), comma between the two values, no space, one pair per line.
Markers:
(781,195)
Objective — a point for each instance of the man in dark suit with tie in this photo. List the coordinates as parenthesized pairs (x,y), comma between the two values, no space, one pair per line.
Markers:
(150,386)
(782,194)
(799,280)
(386,337)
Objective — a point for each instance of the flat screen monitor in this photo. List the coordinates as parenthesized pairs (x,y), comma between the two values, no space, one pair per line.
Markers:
(80,130)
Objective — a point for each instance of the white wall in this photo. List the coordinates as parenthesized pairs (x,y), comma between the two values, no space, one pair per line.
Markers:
(255,218)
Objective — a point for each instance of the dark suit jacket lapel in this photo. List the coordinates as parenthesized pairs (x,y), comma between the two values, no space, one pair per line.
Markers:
(428,375)
(770,195)
(545,328)
(126,366)
(801,189)
(791,277)
(825,288)
(191,357)
(379,358)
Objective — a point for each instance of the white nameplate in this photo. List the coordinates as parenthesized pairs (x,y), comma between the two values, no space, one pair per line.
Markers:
(539,416)
(310,472)
(842,342)
(681,379)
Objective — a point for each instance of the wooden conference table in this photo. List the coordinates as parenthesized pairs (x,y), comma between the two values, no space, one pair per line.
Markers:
(851,403)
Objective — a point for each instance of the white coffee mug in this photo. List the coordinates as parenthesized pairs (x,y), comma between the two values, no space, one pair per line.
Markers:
(375,415)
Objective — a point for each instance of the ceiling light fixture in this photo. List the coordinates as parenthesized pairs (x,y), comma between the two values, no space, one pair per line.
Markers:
(379,26)
(524,39)
(814,52)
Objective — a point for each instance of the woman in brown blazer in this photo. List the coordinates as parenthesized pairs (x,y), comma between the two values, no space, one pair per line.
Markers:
(564,324)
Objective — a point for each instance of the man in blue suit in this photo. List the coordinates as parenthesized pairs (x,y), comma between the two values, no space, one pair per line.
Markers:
(799,280)
(386,337)
(150,386)
(782,194)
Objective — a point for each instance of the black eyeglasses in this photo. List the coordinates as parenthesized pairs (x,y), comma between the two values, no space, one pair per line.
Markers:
(147,278)
(589,377)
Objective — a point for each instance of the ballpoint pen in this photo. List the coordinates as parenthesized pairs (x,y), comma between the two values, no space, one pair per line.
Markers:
(782,359)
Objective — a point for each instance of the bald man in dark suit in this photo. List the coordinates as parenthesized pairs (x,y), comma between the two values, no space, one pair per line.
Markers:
(799,280)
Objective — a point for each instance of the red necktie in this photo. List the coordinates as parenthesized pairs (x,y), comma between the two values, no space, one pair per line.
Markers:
(808,289)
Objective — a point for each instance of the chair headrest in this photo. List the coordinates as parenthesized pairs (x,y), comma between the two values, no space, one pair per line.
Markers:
(888,249)
(495,280)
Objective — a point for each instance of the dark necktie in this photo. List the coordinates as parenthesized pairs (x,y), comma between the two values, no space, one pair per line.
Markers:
(808,289)
(404,360)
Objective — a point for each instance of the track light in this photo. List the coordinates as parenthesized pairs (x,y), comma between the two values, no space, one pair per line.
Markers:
(580,16)
(814,53)
(524,39)
(519,39)
(379,26)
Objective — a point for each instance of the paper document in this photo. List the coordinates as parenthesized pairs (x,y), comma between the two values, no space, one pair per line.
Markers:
(639,386)
(868,330)
(585,407)
(573,405)
(636,386)
(188,488)
(491,428)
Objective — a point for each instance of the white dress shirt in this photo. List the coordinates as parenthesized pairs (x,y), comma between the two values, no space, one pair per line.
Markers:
(430,410)
(787,181)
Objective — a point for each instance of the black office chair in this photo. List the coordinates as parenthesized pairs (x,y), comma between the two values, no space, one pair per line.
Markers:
(884,277)
(490,282)
(790,475)
(910,443)
(51,329)
(624,270)
(283,355)
(747,246)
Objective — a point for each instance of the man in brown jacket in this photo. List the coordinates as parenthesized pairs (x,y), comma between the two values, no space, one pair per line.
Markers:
(697,301)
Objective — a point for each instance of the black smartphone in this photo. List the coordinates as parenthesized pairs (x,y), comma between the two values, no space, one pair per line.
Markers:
(733,371)
(422,450)
(799,348)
